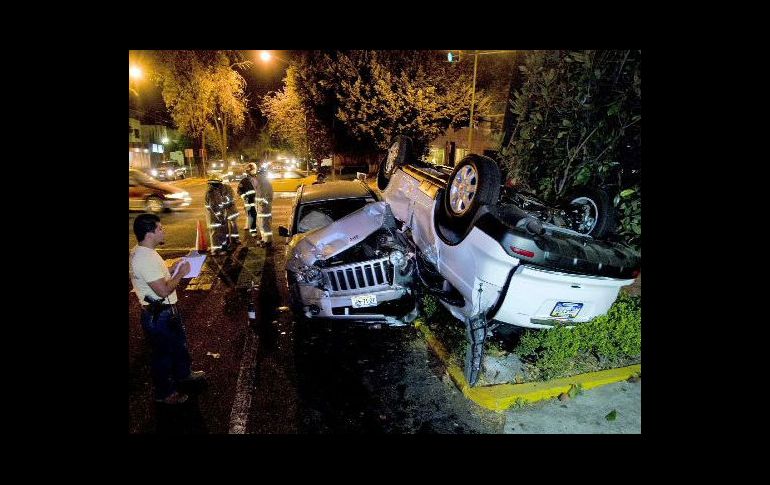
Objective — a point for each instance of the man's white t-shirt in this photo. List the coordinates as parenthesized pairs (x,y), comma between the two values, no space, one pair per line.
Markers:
(146,265)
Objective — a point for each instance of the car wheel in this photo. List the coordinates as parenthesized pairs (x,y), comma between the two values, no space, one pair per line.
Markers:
(153,204)
(474,182)
(591,211)
(399,150)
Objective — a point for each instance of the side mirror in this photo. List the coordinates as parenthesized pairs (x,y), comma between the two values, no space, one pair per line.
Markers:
(283,231)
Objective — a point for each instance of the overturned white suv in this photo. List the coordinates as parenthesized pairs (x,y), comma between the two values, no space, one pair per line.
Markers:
(486,261)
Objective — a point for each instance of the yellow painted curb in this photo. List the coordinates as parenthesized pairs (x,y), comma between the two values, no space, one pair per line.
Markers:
(499,397)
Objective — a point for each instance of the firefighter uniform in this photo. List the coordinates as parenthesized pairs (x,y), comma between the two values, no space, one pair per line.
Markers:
(257,194)
(221,215)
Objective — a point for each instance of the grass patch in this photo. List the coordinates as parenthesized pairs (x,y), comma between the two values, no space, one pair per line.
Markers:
(609,341)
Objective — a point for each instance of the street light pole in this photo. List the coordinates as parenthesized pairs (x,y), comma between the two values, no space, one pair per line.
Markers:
(473,101)
(476,55)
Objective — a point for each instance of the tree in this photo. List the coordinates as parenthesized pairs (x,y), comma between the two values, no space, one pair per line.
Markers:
(363,98)
(203,92)
(577,121)
(287,116)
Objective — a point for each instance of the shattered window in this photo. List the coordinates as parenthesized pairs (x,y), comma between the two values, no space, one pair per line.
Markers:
(320,214)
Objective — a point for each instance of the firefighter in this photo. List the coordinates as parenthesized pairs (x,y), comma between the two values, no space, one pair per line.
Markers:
(220,214)
(231,215)
(257,196)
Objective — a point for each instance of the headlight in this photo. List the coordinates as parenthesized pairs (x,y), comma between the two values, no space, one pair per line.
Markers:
(309,275)
(170,173)
(397,259)
(154,172)
(178,195)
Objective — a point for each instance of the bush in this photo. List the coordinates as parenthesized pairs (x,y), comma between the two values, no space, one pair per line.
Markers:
(610,340)
(577,121)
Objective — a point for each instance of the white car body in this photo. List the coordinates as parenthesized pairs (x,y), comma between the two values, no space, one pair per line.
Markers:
(490,280)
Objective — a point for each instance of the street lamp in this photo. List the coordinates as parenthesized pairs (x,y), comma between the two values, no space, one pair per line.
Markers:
(266,56)
(476,55)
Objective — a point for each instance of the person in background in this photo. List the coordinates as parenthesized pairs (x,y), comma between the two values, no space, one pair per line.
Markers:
(257,194)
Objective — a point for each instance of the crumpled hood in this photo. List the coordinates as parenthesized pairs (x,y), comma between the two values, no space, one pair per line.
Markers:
(323,243)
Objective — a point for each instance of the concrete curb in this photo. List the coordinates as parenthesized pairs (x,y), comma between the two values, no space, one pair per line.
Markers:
(499,397)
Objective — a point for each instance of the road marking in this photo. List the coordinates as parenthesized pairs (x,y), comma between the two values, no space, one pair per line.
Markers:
(252,271)
(245,386)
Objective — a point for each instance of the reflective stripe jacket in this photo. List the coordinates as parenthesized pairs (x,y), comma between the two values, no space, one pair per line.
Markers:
(252,188)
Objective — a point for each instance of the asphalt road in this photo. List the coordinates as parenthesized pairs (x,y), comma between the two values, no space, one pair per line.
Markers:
(326,378)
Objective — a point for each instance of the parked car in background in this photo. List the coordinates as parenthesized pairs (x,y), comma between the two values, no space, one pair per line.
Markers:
(216,167)
(168,171)
(148,194)
(346,259)
(290,180)
(235,172)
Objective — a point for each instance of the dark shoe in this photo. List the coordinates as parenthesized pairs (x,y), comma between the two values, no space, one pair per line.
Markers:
(174,398)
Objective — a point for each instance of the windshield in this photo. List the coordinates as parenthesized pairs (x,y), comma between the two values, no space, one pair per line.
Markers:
(320,214)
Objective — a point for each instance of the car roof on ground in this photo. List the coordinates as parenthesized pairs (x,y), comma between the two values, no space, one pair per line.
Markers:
(342,189)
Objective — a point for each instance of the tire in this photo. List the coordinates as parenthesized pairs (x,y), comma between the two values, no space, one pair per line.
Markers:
(153,204)
(398,153)
(474,182)
(599,217)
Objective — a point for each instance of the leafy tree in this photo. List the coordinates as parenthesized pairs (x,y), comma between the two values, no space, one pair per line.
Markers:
(203,93)
(577,121)
(289,120)
(360,99)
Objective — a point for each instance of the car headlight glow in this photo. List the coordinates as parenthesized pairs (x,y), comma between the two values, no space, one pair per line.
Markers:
(397,259)
(170,173)
(177,195)
(154,172)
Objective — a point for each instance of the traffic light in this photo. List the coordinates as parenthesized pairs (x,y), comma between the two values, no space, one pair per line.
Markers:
(453,56)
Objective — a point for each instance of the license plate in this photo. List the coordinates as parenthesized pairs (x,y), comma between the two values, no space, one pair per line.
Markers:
(566,309)
(363,301)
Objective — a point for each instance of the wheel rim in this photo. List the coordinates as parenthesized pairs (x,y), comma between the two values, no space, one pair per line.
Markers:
(586,221)
(390,162)
(154,205)
(463,189)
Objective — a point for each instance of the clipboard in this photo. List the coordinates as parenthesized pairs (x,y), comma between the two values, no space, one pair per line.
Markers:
(196,263)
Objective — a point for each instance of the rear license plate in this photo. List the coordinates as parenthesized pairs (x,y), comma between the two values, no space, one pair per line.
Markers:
(566,309)
(363,301)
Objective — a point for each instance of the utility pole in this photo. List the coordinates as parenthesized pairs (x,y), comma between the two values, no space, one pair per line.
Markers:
(473,101)
(476,55)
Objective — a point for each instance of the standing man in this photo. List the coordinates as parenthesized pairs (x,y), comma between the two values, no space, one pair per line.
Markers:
(220,215)
(161,321)
(257,196)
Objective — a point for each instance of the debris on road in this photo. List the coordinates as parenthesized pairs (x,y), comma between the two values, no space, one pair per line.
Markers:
(611,416)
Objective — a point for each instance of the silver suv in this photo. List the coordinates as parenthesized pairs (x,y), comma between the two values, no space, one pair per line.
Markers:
(345,259)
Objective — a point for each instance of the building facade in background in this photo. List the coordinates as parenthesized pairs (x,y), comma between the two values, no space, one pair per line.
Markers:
(147,144)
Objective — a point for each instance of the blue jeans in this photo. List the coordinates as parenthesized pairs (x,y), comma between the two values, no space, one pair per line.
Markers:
(170,361)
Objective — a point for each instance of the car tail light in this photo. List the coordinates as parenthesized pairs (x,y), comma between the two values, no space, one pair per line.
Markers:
(522,252)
